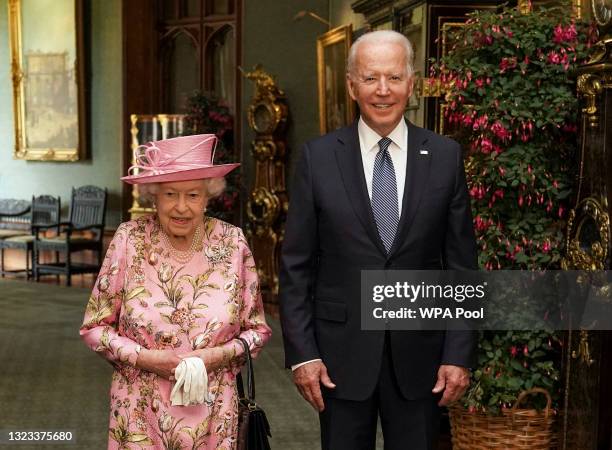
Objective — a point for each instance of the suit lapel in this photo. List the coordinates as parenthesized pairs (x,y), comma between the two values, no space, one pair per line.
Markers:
(417,173)
(350,165)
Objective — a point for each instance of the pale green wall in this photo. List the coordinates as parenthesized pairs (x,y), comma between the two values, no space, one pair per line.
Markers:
(340,13)
(288,50)
(22,179)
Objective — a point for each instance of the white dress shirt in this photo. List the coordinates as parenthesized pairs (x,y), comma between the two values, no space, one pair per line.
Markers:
(368,141)
(398,150)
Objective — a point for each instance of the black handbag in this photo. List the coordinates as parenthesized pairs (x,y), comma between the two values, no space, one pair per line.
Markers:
(253,426)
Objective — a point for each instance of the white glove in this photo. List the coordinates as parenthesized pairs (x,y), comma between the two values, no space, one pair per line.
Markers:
(191,386)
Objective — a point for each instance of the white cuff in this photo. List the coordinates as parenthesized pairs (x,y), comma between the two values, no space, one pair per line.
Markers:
(295,366)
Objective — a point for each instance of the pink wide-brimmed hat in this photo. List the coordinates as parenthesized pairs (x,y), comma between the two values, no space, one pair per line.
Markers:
(178,159)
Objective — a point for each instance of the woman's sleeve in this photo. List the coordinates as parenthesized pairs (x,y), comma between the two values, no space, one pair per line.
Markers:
(253,326)
(100,325)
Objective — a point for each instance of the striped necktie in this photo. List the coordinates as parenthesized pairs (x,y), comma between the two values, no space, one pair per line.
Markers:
(384,194)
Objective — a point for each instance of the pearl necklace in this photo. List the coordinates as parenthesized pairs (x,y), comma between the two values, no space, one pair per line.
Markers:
(181,256)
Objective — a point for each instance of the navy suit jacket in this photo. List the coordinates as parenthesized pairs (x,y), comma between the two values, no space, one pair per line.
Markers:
(331,235)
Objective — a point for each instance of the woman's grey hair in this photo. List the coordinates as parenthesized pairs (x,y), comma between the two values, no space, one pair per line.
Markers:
(381,37)
(213,187)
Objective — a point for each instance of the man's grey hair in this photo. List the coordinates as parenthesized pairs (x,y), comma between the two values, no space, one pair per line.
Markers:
(381,37)
(213,187)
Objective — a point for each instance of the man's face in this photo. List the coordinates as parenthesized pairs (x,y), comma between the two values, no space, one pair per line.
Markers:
(380,85)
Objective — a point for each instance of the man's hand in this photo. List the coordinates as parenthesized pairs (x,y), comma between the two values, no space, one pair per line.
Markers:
(308,379)
(453,380)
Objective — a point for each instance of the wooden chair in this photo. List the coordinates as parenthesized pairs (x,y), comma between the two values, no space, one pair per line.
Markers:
(45,210)
(14,218)
(87,217)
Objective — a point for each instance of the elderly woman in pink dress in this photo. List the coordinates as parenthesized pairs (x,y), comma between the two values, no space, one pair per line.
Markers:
(175,285)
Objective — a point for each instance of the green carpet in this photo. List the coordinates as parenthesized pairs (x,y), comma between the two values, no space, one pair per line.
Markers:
(49,380)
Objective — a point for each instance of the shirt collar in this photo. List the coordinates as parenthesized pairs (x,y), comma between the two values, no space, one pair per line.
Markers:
(369,138)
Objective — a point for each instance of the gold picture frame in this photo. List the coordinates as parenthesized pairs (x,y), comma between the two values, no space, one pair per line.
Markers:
(48,74)
(336,107)
(580,8)
(448,28)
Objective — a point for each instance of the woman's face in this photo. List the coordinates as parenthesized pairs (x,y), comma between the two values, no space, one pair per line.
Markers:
(180,207)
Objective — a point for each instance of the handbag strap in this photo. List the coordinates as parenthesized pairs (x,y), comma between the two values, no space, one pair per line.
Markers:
(250,374)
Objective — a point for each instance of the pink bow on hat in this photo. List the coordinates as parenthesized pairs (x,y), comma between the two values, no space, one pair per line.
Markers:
(151,159)
(178,159)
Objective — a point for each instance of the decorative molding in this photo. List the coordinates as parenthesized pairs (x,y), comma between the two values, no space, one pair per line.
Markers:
(267,204)
(590,87)
(581,255)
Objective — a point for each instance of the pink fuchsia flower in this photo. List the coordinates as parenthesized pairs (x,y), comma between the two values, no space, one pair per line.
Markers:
(466,120)
(482,225)
(558,34)
(500,131)
(481,122)
(565,34)
(486,146)
(554,58)
(513,351)
(570,34)
(477,192)
(507,63)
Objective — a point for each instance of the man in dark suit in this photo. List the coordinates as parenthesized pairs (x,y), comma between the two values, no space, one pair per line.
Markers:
(380,194)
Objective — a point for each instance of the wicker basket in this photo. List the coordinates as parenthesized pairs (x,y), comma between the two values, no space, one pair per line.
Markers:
(515,429)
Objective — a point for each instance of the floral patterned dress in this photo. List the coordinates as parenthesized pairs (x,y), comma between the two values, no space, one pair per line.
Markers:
(144,297)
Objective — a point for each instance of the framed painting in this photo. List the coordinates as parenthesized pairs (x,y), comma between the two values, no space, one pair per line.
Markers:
(336,108)
(48,72)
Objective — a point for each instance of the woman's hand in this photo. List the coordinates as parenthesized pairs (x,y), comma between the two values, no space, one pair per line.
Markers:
(160,362)
(213,358)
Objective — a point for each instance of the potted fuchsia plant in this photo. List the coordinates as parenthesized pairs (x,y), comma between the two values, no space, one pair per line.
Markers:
(515,111)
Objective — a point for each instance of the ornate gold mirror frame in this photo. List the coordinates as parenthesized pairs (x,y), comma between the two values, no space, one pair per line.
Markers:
(587,237)
(48,73)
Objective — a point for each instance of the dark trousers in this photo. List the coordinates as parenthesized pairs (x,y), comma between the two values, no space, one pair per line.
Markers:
(406,424)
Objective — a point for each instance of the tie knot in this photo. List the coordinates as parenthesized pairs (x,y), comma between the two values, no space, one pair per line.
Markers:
(384,143)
